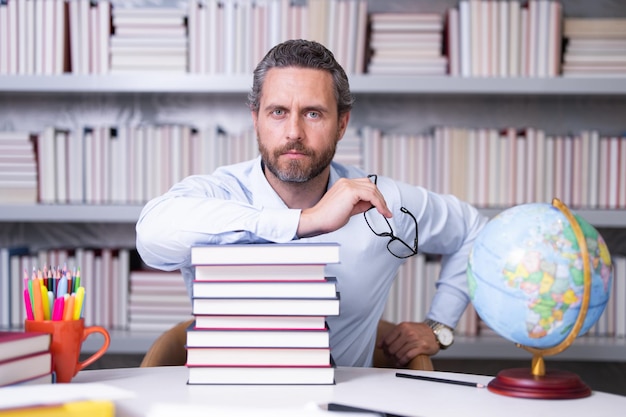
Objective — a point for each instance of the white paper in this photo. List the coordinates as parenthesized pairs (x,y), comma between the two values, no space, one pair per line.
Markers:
(51,394)
(203,410)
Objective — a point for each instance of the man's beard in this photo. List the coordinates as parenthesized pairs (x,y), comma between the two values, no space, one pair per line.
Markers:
(297,171)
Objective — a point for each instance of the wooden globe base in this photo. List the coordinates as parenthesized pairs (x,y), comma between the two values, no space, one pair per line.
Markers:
(555,384)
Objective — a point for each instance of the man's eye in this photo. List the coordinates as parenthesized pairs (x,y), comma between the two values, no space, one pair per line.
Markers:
(313,114)
(278,112)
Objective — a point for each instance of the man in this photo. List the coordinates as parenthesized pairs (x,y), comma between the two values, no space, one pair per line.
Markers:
(300,103)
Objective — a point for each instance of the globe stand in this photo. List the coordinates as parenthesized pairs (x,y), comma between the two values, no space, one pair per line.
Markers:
(536,382)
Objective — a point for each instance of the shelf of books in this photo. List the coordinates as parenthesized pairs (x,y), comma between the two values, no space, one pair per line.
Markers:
(137,305)
(488,167)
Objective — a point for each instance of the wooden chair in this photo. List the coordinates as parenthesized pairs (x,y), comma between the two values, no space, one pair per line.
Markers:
(418,363)
(169,349)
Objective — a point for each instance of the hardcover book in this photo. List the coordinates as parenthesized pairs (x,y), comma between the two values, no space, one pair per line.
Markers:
(262,272)
(267,306)
(266,289)
(15,370)
(261,253)
(322,375)
(230,356)
(260,322)
(17,344)
(231,338)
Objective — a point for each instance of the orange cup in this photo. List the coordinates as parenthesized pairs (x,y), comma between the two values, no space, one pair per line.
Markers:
(67,340)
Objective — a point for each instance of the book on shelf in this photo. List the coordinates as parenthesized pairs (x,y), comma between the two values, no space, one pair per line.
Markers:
(593,28)
(259,375)
(22,368)
(260,322)
(156,282)
(407,43)
(265,289)
(150,30)
(268,272)
(19,343)
(151,309)
(174,60)
(252,356)
(317,338)
(174,298)
(406,22)
(18,168)
(147,16)
(266,253)
(11,286)
(267,306)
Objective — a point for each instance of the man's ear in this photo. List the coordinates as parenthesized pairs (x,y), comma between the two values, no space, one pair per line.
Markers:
(343,125)
(255,118)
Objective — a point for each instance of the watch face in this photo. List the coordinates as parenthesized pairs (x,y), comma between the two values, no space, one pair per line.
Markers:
(445,336)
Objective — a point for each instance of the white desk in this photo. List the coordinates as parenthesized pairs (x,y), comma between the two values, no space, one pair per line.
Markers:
(371,388)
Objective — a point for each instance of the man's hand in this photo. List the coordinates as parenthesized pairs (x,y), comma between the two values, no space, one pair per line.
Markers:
(407,340)
(343,200)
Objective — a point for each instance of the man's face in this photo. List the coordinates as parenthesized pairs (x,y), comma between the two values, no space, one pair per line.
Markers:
(297,124)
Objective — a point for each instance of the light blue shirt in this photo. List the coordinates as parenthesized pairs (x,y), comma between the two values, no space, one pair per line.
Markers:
(236,204)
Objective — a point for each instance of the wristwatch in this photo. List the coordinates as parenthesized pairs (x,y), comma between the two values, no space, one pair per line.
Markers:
(443,333)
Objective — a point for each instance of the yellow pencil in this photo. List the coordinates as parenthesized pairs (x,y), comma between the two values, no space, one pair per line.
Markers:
(78,304)
(45,301)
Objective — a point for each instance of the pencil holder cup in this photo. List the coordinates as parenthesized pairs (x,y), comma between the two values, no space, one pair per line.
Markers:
(67,340)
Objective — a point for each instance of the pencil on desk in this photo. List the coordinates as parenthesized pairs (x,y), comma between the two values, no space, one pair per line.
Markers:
(442,380)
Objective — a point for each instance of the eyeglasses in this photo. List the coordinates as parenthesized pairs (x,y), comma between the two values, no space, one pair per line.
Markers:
(380,226)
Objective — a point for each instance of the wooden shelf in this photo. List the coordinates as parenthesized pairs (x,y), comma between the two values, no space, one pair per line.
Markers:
(585,348)
(122,342)
(145,83)
(70,213)
(130,214)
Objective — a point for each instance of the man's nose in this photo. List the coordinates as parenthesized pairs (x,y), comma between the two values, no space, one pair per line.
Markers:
(294,127)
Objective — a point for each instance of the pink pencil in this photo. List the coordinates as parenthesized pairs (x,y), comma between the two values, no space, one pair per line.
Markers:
(28,305)
(59,305)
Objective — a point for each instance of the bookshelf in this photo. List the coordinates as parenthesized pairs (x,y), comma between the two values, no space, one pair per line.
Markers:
(391,103)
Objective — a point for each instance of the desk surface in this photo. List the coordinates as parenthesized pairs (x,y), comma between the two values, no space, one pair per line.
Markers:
(371,388)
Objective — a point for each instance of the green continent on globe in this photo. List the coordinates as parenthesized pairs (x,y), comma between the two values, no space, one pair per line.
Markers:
(528,258)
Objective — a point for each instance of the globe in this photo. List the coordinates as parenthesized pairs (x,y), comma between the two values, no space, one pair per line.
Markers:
(526,275)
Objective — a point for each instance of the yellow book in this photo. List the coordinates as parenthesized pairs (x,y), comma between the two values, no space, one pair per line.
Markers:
(100,408)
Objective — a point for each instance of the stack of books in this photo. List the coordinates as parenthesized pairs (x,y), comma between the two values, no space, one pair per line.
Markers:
(407,43)
(18,168)
(25,358)
(260,314)
(148,39)
(157,300)
(594,47)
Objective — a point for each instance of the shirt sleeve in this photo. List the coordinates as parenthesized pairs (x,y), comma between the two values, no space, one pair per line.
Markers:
(447,227)
(201,210)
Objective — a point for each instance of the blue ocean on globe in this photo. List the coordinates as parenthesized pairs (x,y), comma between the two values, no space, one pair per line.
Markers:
(526,279)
